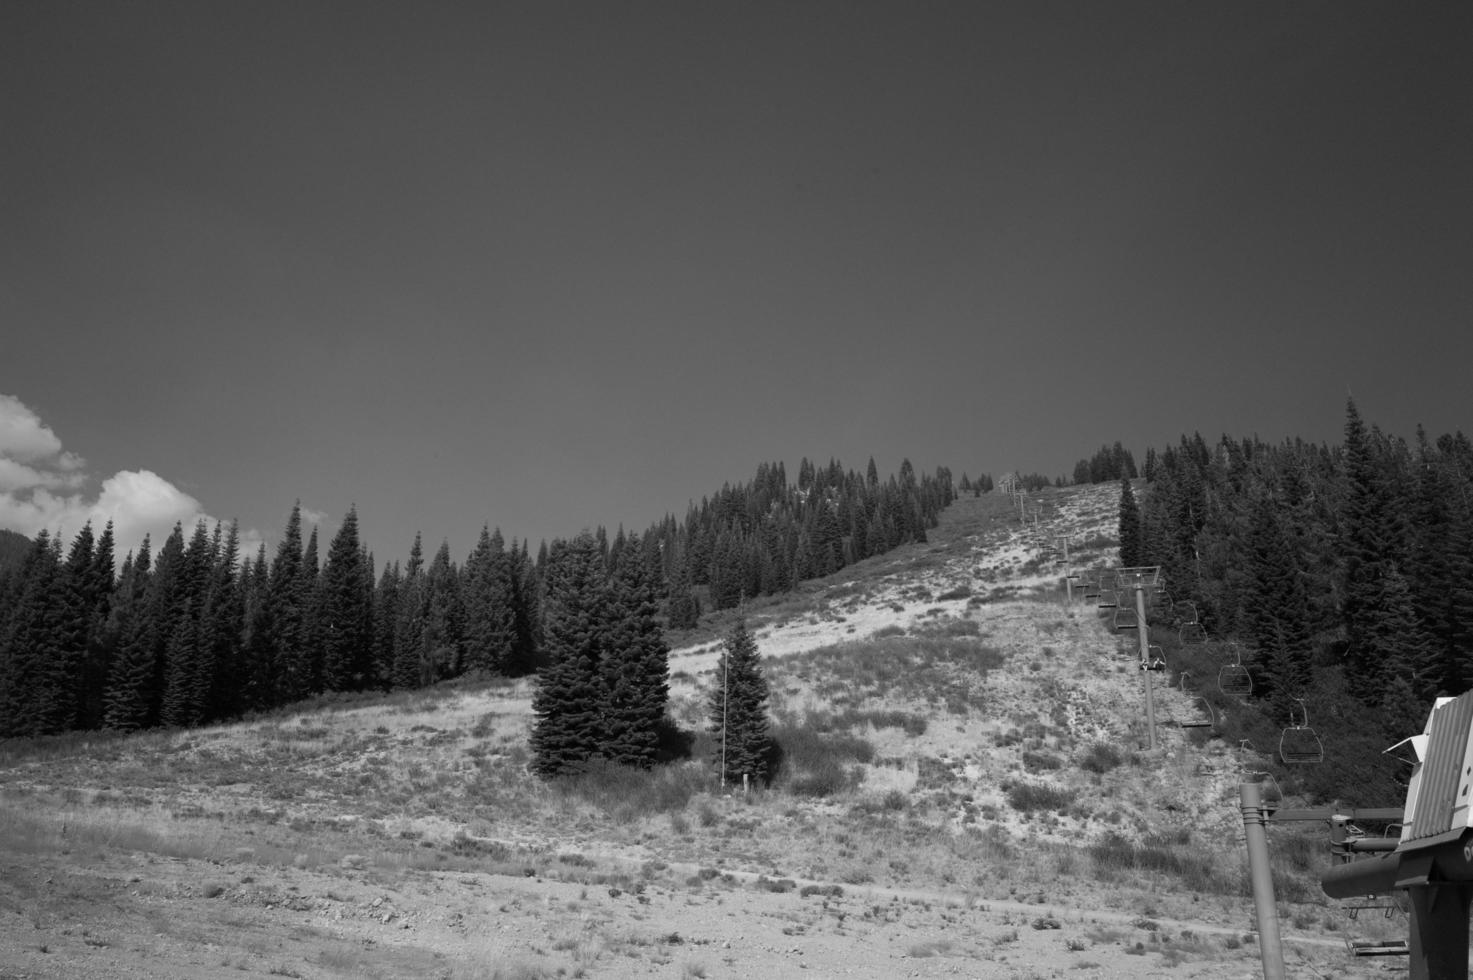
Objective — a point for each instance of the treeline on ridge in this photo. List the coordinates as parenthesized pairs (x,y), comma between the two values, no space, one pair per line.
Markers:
(1345,573)
(197,632)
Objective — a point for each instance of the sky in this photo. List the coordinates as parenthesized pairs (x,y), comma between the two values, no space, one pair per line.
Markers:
(555,265)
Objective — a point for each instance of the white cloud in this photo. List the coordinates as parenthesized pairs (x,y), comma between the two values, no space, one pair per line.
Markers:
(33,466)
(311,518)
(24,437)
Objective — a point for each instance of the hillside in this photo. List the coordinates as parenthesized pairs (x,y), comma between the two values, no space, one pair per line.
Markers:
(964,792)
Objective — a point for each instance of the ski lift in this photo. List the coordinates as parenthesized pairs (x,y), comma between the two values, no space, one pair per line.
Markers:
(1204,717)
(1186,612)
(1298,744)
(1091,581)
(1191,633)
(1108,599)
(1126,618)
(1233,679)
(1159,602)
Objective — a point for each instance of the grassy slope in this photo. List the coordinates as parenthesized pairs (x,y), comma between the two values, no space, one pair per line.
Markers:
(958,741)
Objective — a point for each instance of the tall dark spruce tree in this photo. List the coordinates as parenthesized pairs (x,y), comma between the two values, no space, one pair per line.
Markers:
(287,609)
(634,681)
(345,615)
(1277,609)
(568,703)
(410,667)
(490,619)
(737,710)
(32,645)
(1384,641)
(1132,552)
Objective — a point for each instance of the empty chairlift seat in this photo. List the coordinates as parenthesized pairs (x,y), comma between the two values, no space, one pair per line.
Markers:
(1298,744)
(1233,679)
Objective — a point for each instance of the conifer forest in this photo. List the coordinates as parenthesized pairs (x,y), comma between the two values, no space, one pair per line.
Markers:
(1343,573)
(191,631)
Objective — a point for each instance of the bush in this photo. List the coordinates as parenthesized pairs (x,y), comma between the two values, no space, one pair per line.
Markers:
(1041,761)
(818,764)
(1101,757)
(1032,797)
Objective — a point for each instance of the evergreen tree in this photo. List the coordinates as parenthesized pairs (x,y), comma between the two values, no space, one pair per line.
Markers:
(222,630)
(386,627)
(345,616)
(257,655)
(184,700)
(491,628)
(1132,553)
(444,629)
(123,702)
(1382,633)
(287,602)
(526,605)
(30,704)
(684,609)
(1277,610)
(409,667)
(737,709)
(634,666)
(310,590)
(96,596)
(569,701)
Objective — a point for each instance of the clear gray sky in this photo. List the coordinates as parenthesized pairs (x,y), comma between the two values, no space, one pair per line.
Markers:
(549,265)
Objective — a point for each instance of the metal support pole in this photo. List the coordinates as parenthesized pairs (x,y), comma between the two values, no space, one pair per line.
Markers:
(1145,638)
(1269,945)
(1068,576)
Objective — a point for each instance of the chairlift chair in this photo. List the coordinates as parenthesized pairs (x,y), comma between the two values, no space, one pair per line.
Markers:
(1234,679)
(1126,618)
(1108,599)
(1298,744)
(1185,611)
(1204,716)
(1191,633)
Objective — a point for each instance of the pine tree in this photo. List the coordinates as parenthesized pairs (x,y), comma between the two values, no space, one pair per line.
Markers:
(409,666)
(634,666)
(1382,632)
(286,615)
(1277,608)
(737,709)
(569,703)
(444,629)
(1131,546)
(684,608)
(344,610)
(127,678)
(490,619)
(386,627)
(222,630)
(310,590)
(257,655)
(32,645)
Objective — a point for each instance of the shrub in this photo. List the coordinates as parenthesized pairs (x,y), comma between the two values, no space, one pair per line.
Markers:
(1041,761)
(1032,797)
(1101,757)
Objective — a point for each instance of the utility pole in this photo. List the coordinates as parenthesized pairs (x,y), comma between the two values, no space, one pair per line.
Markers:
(1147,668)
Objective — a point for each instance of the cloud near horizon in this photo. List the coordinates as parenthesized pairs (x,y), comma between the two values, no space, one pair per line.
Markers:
(34,467)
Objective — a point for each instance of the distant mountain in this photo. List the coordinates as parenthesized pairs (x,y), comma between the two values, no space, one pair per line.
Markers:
(13,548)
